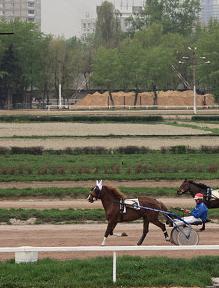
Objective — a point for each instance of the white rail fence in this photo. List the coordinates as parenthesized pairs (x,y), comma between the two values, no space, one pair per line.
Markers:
(27,254)
(129,107)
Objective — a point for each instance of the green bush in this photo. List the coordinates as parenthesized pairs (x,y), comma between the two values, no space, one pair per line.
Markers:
(80,118)
(38,150)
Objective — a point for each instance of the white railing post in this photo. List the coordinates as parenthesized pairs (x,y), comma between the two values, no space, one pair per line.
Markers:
(114,267)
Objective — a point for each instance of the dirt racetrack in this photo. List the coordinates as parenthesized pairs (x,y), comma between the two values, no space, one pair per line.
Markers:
(92,235)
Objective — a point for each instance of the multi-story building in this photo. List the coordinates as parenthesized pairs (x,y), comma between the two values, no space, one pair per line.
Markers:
(209,10)
(25,10)
(88,25)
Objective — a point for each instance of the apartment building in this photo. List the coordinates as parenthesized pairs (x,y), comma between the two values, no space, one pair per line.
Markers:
(25,10)
(209,10)
(88,25)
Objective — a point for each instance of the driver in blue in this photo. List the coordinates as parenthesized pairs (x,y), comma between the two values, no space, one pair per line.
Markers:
(198,214)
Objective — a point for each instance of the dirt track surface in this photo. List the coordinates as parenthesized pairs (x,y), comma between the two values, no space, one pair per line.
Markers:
(68,184)
(92,235)
(80,203)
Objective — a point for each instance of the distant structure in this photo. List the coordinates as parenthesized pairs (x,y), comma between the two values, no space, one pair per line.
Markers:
(88,25)
(25,10)
(126,9)
(209,10)
(123,10)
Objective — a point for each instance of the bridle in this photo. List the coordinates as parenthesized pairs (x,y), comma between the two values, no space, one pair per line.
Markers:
(181,189)
(95,192)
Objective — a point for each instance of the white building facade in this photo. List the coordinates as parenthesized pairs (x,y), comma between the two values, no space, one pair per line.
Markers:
(88,26)
(209,10)
(25,10)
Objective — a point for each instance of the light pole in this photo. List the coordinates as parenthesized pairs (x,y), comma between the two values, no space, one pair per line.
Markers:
(194,62)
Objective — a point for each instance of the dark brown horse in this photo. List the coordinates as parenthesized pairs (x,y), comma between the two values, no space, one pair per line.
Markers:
(111,198)
(189,186)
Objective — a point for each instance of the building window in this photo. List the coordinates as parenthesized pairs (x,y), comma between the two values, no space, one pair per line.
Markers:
(31,12)
(30,4)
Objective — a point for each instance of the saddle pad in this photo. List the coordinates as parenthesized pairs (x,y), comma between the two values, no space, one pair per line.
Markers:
(133,202)
(215,193)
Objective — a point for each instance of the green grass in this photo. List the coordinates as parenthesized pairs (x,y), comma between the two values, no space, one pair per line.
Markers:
(56,216)
(80,193)
(97,273)
(152,165)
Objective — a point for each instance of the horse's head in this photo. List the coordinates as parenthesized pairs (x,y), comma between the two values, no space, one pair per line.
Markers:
(184,187)
(95,192)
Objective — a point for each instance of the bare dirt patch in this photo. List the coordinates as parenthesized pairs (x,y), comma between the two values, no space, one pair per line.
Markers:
(139,183)
(152,143)
(168,98)
(92,129)
(36,203)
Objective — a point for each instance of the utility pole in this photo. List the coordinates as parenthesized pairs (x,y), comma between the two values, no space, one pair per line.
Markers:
(194,60)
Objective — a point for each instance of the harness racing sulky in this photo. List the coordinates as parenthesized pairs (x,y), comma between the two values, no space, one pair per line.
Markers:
(120,209)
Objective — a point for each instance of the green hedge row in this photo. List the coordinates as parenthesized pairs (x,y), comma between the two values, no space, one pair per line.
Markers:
(203,118)
(39,150)
(80,118)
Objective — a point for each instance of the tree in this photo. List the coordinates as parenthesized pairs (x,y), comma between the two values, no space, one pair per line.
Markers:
(175,16)
(108,29)
(9,84)
(208,46)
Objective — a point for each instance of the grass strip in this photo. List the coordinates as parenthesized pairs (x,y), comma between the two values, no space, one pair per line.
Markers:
(53,216)
(152,165)
(81,193)
(56,216)
(97,272)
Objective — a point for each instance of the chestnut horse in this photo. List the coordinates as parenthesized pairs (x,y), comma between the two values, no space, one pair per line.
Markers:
(111,198)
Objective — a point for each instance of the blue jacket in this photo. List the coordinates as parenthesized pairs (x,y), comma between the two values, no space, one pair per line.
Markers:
(200,211)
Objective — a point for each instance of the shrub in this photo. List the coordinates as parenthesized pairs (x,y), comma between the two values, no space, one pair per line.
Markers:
(4,150)
(210,149)
(38,150)
(132,150)
(213,168)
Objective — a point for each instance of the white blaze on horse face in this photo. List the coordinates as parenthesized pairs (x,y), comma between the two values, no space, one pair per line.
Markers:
(99,184)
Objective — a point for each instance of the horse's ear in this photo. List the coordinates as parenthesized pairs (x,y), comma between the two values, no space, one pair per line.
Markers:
(99,184)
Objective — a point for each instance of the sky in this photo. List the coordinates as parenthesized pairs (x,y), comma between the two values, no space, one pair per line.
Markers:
(63,17)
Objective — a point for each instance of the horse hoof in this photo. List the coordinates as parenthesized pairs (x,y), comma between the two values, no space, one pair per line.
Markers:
(202,229)
(124,234)
(167,239)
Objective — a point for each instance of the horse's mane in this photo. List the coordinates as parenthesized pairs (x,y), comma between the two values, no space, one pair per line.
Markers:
(117,194)
(201,185)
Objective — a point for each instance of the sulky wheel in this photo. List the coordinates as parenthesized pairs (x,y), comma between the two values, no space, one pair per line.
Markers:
(174,235)
(187,236)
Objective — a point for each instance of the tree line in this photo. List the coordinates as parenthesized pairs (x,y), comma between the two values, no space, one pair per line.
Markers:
(156,40)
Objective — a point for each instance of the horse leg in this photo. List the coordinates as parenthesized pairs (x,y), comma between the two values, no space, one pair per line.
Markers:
(162,227)
(145,230)
(109,230)
(117,234)
(203,227)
